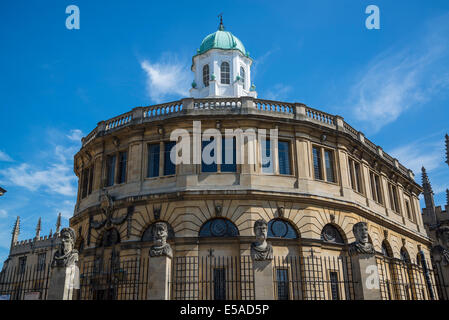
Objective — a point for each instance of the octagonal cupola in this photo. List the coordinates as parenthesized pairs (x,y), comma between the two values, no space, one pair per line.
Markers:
(222,67)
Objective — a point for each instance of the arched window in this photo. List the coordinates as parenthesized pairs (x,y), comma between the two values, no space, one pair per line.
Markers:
(243,77)
(148,234)
(218,227)
(206,75)
(225,74)
(331,234)
(279,228)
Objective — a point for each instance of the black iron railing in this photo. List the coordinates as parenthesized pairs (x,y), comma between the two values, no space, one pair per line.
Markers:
(25,282)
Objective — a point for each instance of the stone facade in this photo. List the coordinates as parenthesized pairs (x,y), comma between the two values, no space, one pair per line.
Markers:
(189,198)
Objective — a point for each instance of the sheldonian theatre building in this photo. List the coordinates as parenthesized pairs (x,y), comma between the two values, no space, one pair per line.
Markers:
(224,195)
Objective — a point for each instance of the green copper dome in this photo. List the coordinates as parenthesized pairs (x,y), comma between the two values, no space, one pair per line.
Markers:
(221,39)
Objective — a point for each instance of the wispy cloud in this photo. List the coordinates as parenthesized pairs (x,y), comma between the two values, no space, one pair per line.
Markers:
(166,78)
(256,68)
(75,135)
(55,177)
(428,152)
(278,92)
(5,157)
(3,213)
(401,78)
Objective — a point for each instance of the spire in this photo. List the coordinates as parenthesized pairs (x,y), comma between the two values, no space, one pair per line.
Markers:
(428,196)
(15,232)
(58,223)
(221,26)
(447,149)
(51,233)
(38,228)
(447,197)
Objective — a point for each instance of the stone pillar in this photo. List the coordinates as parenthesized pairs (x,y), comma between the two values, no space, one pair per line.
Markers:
(366,277)
(159,270)
(263,279)
(63,282)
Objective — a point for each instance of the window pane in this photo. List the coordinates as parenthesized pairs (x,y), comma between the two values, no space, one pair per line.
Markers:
(317,163)
(219,283)
(284,157)
(85,181)
(225,73)
(209,167)
(228,153)
(351,173)
(378,189)
(358,177)
(242,75)
(206,75)
(111,170)
(373,187)
(91,179)
(122,167)
(407,206)
(153,160)
(334,285)
(169,166)
(282,284)
(329,162)
(267,157)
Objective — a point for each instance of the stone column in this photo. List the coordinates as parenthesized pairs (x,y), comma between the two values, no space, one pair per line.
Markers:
(263,280)
(366,277)
(159,278)
(63,282)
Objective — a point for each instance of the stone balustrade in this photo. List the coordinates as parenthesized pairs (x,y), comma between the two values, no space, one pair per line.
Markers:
(242,105)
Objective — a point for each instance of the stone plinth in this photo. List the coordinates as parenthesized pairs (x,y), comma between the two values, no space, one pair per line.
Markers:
(63,282)
(159,269)
(263,280)
(366,277)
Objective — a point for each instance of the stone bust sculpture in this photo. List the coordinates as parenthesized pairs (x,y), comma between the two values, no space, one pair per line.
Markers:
(161,247)
(361,244)
(260,249)
(66,255)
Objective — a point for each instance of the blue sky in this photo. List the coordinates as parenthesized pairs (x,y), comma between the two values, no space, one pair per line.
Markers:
(56,84)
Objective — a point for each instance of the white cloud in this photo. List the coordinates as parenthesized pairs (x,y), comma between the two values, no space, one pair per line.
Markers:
(3,213)
(278,92)
(55,176)
(428,152)
(166,78)
(5,157)
(401,78)
(66,209)
(75,135)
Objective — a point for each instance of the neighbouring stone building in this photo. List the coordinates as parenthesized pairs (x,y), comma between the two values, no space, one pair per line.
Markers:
(436,221)
(289,221)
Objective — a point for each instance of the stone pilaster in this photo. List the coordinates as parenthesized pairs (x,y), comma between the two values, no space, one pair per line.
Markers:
(263,279)
(366,277)
(63,282)
(159,269)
